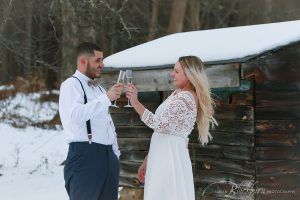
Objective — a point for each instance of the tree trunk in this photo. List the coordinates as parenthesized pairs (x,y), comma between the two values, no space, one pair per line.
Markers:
(153,21)
(268,11)
(27,68)
(69,39)
(177,16)
(5,28)
(195,14)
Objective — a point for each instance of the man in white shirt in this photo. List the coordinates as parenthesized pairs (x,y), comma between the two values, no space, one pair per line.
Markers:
(91,171)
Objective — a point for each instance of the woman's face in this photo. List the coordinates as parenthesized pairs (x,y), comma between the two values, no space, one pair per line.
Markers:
(180,80)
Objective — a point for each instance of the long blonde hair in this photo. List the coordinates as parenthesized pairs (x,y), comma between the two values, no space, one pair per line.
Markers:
(194,69)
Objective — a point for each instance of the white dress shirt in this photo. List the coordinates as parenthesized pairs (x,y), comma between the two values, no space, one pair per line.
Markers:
(74,113)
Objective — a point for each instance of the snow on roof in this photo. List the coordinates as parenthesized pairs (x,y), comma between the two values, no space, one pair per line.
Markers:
(209,45)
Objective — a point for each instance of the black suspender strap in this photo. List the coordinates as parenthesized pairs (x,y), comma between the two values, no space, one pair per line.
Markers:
(88,123)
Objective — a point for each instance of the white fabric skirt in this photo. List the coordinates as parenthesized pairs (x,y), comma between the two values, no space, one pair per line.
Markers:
(169,174)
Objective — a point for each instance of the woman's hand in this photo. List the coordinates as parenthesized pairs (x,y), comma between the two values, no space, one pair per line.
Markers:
(142,171)
(132,94)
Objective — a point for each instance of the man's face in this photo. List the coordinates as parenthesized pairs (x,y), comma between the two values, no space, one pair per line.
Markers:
(95,65)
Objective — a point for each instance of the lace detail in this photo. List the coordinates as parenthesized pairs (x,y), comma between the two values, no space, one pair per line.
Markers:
(175,116)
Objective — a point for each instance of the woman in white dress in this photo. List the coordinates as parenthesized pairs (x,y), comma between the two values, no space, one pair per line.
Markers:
(167,170)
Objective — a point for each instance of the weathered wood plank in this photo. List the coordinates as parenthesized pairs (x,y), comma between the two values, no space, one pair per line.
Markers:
(279,181)
(274,98)
(277,140)
(277,126)
(277,167)
(221,164)
(286,85)
(277,105)
(134,132)
(277,153)
(234,126)
(234,112)
(226,152)
(227,138)
(160,79)
(133,155)
(130,119)
(129,167)
(141,144)
(278,112)
(241,98)
(233,139)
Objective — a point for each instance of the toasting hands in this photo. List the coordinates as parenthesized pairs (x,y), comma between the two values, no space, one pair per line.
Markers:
(132,93)
(115,91)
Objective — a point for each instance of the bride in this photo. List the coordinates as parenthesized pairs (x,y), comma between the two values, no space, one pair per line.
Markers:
(167,170)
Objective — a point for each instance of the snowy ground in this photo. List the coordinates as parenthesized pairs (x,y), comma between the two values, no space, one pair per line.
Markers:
(30,164)
(30,158)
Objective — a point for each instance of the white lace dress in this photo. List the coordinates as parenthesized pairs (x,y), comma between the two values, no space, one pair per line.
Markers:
(169,173)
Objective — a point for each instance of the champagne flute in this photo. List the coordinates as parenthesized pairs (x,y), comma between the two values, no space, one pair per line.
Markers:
(120,80)
(128,80)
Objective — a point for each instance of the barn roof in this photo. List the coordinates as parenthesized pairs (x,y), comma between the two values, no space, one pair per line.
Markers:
(225,45)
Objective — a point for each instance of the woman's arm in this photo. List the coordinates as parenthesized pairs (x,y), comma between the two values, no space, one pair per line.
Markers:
(131,94)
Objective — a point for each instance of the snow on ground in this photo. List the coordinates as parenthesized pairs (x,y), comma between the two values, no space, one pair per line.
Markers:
(30,158)
(209,45)
(29,106)
(30,164)
(6,87)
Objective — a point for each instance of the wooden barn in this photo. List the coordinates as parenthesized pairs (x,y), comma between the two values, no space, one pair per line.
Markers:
(254,72)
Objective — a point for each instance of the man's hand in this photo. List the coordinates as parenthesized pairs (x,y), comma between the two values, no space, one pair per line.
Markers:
(115,91)
(142,171)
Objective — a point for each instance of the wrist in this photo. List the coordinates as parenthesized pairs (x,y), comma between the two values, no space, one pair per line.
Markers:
(134,102)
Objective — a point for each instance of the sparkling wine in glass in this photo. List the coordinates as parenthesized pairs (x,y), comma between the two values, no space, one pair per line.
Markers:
(128,80)
(121,79)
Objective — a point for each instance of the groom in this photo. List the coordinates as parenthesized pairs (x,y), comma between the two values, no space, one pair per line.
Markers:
(91,171)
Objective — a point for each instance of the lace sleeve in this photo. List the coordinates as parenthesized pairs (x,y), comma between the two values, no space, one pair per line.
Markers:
(175,115)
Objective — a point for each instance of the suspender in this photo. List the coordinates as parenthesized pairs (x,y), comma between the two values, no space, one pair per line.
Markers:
(88,123)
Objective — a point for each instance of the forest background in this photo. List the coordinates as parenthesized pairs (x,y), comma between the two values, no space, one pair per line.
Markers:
(38,37)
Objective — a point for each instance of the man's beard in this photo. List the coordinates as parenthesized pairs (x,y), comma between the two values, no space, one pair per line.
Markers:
(91,72)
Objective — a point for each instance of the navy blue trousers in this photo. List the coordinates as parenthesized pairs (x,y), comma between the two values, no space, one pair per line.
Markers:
(91,172)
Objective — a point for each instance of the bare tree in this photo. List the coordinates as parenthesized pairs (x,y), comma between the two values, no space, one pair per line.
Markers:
(70,38)
(194,14)
(153,21)
(177,16)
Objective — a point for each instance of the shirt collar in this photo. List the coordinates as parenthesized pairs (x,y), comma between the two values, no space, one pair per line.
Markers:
(82,76)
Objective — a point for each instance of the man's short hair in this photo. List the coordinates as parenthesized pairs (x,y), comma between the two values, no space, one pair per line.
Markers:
(87,48)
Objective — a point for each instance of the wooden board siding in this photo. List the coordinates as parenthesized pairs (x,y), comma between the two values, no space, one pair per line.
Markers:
(255,147)
(229,157)
(277,123)
(160,79)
